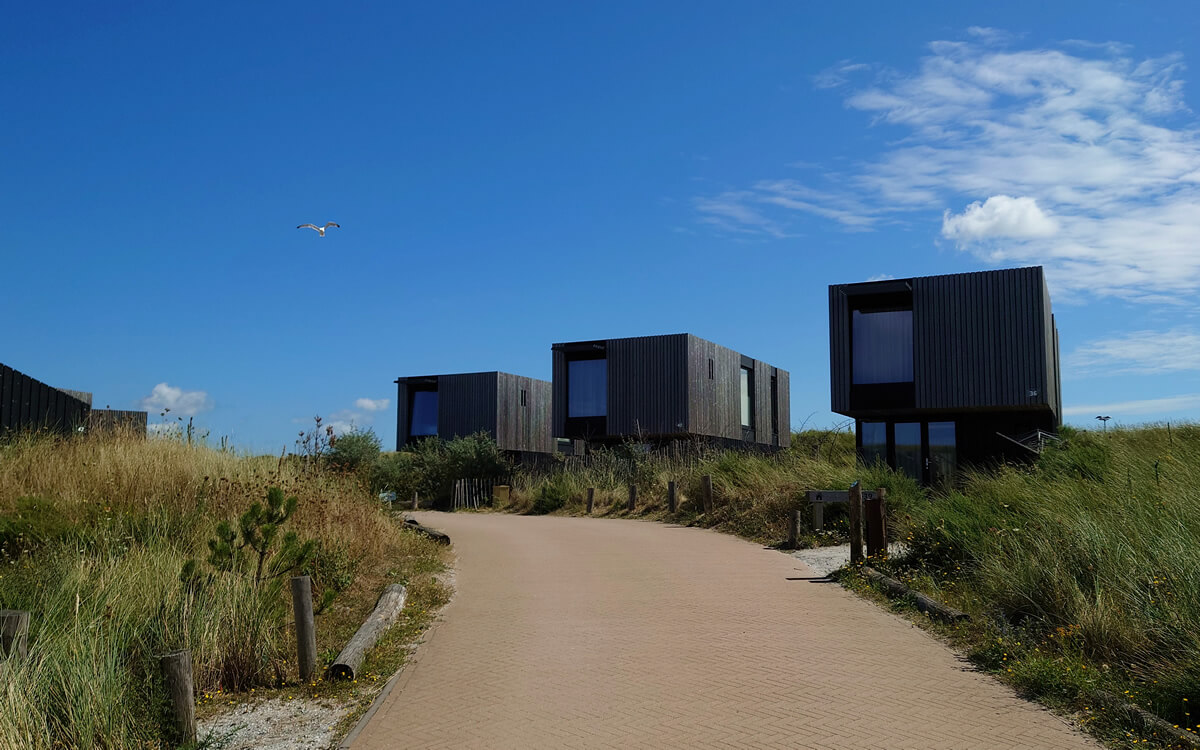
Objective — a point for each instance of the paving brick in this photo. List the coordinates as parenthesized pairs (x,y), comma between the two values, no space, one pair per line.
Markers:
(604,633)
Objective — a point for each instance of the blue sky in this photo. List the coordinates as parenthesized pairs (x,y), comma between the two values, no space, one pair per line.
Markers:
(508,177)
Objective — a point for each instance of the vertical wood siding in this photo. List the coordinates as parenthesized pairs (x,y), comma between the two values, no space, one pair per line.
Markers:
(714,406)
(839,350)
(558,405)
(401,413)
(523,428)
(29,404)
(466,404)
(785,408)
(647,385)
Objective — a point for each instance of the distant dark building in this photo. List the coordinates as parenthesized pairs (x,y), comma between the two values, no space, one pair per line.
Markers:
(658,388)
(514,410)
(27,404)
(938,371)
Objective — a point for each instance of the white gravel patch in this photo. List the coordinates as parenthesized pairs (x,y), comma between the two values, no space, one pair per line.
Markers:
(276,724)
(825,560)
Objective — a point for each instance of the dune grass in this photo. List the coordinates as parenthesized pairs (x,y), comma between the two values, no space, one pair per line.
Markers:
(94,534)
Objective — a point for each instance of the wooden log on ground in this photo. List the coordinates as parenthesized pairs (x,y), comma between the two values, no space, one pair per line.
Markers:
(856,535)
(177,676)
(14,633)
(437,536)
(387,611)
(706,490)
(1147,721)
(929,606)
(306,631)
(672,497)
(591,499)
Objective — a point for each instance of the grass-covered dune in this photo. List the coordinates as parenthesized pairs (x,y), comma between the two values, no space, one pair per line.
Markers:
(95,533)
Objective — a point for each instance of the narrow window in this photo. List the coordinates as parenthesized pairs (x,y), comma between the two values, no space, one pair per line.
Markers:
(424,414)
(711,369)
(747,398)
(587,388)
(522,397)
(873,438)
(775,408)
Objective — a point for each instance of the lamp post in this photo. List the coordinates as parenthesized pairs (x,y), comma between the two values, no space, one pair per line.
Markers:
(1104,421)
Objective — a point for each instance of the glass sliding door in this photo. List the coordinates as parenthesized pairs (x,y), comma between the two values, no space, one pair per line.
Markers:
(874,442)
(908,449)
(942,453)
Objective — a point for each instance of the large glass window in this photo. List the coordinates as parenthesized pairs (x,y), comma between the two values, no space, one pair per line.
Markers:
(747,397)
(587,388)
(943,452)
(882,347)
(874,442)
(423,420)
(908,448)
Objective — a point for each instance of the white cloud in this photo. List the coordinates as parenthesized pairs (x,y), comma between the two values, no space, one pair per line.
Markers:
(369,404)
(1077,158)
(881,277)
(1000,216)
(180,402)
(1143,406)
(1139,352)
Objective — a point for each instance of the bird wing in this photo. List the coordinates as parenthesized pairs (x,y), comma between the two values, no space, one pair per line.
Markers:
(331,224)
(308,226)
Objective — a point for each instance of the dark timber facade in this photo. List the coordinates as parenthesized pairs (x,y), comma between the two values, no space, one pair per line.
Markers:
(27,404)
(659,388)
(940,371)
(514,410)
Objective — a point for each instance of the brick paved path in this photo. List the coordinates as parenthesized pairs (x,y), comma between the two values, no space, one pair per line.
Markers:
(578,632)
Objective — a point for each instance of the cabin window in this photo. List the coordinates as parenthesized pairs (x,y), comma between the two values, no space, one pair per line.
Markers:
(423,419)
(908,448)
(711,369)
(874,442)
(747,398)
(775,409)
(523,397)
(882,344)
(587,388)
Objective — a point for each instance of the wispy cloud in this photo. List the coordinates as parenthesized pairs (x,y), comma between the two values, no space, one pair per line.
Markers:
(1166,405)
(372,404)
(1079,158)
(180,402)
(1139,352)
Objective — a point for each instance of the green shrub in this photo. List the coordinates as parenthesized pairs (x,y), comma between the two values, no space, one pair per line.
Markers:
(354,450)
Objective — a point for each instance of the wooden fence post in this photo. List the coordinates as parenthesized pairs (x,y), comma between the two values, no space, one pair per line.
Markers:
(707,492)
(632,497)
(415,501)
(177,676)
(876,513)
(14,633)
(306,633)
(672,498)
(818,513)
(591,499)
(856,536)
(793,529)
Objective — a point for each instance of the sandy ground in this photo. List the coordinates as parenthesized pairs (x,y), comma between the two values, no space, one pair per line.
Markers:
(825,560)
(276,724)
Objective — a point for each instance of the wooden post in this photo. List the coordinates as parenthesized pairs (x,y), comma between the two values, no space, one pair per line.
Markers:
(793,529)
(177,676)
(591,499)
(856,536)
(632,498)
(14,633)
(414,500)
(306,632)
(818,516)
(875,513)
(707,492)
(672,498)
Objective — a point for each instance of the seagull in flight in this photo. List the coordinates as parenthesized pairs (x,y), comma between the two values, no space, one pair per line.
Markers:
(319,230)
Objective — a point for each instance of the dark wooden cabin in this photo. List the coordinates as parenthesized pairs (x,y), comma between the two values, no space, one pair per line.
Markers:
(660,388)
(28,404)
(939,371)
(513,409)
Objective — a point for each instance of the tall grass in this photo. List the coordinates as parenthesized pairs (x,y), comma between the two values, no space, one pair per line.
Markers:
(1092,554)
(94,533)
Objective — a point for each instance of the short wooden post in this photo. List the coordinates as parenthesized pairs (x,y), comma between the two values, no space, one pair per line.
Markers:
(415,501)
(14,633)
(707,492)
(632,498)
(856,535)
(306,632)
(876,524)
(591,499)
(177,677)
(672,498)
(818,510)
(793,529)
